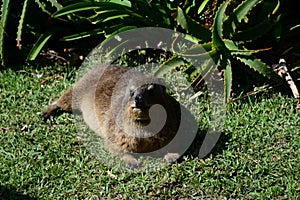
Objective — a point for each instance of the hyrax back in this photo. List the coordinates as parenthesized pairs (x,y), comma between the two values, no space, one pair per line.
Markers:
(124,107)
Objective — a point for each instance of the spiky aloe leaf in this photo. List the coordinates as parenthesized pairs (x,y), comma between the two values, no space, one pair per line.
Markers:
(37,47)
(264,22)
(168,65)
(42,6)
(197,50)
(217,28)
(55,4)
(259,66)
(20,26)
(254,32)
(240,13)
(235,50)
(85,6)
(192,27)
(5,7)
(244,8)
(227,81)
(105,12)
(199,53)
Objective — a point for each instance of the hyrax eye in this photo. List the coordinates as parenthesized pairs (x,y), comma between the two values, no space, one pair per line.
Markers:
(131,93)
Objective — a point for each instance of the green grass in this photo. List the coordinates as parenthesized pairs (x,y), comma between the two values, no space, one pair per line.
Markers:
(258,157)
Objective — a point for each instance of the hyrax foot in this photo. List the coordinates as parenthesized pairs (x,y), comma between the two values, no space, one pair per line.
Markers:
(171,157)
(130,161)
(49,112)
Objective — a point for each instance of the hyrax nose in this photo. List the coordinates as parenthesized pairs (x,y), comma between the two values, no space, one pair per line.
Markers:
(139,101)
(139,98)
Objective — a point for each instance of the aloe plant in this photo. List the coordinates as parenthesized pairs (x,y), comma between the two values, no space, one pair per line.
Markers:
(232,36)
(18,16)
(227,42)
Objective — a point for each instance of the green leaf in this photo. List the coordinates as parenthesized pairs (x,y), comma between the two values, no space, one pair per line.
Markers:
(37,47)
(55,4)
(198,49)
(119,30)
(111,15)
(239,14)
(199,52)
(295,27)
(157,13)
(4,16)
(82,35)
(227,81)
(217,31)
(42,6)
(202,6)
(259,66)
(169,65)
(254,32)
(230,45)
(192,27)
(85,6)
(244,8)
(235,50)
(121,2)
(122,25)
(116,48)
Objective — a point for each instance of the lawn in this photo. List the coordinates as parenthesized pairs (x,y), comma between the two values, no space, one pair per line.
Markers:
(258,156)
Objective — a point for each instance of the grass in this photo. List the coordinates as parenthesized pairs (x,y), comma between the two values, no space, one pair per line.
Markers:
(257,158)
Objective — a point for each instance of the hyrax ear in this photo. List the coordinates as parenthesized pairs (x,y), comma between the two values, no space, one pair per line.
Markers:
(161,83)
(150,87)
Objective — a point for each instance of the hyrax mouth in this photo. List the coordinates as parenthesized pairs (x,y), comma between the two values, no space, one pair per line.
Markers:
(140,115)
(141,99)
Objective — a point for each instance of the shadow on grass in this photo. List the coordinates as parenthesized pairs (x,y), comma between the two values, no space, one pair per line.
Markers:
(8,193)
(195,147)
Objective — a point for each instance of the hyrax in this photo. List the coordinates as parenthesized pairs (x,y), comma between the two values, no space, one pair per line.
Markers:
(124,107)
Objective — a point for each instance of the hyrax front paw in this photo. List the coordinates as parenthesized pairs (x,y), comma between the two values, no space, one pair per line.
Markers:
(171,157)
(130,161)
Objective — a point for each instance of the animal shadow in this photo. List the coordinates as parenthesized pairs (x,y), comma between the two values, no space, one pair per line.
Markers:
(8,193)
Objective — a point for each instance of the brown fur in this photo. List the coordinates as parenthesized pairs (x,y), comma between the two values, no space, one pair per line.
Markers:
(109,101)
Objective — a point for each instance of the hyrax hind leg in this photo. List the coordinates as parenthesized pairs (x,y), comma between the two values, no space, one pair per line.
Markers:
(63,103)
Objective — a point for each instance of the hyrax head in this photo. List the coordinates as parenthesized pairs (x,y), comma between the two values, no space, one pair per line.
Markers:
(141,95)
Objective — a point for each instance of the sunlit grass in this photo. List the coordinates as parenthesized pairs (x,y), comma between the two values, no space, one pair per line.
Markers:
(258,157)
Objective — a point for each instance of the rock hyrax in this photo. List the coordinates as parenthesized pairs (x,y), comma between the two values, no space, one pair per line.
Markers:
(124,107)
